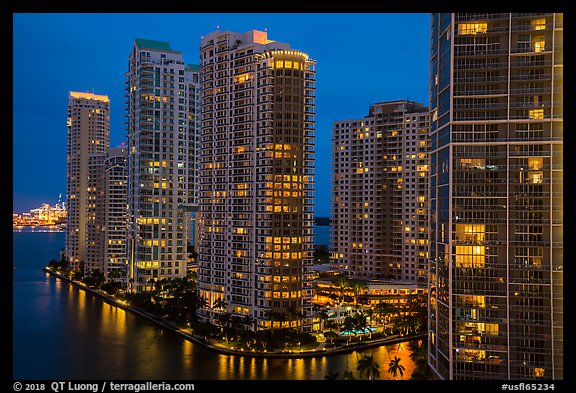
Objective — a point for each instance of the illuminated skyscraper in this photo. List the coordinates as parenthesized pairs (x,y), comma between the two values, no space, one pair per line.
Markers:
(256,179)
(496,212)
(161,133)
(106,214)
(88,134)
(380,193)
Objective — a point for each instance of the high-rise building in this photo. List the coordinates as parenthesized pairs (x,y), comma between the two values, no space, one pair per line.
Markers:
(106,214)
(160,133)
(496,209)
(256,215)
(95,213)
(116,214)
(380,193)
(88,134)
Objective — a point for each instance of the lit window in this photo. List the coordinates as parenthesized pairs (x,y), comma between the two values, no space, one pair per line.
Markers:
(538,24)
(535,163)
(535,177)
(538,44)
(536,113)
(472,28)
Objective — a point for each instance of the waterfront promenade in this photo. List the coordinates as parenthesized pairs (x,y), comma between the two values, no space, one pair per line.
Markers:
(187,333)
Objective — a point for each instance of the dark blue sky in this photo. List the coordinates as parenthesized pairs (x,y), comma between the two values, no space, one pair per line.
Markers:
(362,59)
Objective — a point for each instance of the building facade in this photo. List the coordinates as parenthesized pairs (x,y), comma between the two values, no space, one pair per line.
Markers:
(95,214)
(88,130)
(160,133)
(380,193)
(116,214)
(107,214)
(496,212)
(256,217)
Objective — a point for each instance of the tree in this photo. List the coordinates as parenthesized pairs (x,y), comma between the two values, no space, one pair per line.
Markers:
(331,325)
(384,310)
(331,336)
(249,321)
(419,355)
(348,375)
(224,320)
(357,286)
(367,365)
(395,367)
(349,326)
(236,321)
(361,322)
(219,304)
(342,283)
(293,314)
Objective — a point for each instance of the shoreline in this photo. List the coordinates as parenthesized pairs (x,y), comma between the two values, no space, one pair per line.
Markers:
(225,351)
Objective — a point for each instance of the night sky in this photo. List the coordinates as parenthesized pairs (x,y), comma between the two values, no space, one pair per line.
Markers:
(361,59)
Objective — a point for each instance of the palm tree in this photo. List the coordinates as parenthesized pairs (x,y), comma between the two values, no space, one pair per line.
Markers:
(293,314)
(332,375)
(224,320)
(348,375)
(236,320)
(201,302)
(358,286)
(367,365)
(395,367)
(361,322)
(349,325)
(342,283)
(331,336)
(384,310)
(220,304)
(248,320)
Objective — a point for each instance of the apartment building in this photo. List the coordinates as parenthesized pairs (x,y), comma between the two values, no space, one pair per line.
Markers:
(88,133)
(380,193)
(496,212)
(256,217)
(161,132)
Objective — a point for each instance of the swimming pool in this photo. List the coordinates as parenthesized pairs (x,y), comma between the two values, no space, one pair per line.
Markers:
(358,331)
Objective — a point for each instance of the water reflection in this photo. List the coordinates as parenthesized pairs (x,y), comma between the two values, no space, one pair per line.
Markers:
(60,332)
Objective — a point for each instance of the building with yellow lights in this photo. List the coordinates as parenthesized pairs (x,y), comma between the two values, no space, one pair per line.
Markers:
(496,208)
(107,214)
(255,240)
(161,98)
(88,129)
(380,193)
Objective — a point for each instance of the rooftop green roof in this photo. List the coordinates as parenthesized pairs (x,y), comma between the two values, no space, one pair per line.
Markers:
(151,44)
(193,67)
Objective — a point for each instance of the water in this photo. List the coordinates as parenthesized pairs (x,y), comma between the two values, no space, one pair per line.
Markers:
(60,332)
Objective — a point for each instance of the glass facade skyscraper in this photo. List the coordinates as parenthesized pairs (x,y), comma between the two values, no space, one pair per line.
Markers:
(496,208)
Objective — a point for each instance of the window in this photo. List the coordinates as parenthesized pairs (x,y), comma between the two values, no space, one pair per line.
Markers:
(472,28)
(538,44)
(470,256)
(536,113)
(538,24)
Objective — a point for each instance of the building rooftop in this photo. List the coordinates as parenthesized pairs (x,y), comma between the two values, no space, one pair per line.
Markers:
(89,96)
(193,67)
(152,44)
